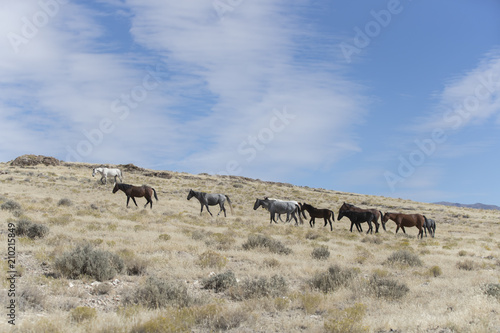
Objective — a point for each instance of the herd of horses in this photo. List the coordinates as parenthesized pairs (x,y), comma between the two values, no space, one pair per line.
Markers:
(293,209)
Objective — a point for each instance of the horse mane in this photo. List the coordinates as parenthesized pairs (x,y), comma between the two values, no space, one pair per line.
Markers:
(124,186)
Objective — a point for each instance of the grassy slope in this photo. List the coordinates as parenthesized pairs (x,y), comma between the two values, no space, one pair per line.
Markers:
(452,301)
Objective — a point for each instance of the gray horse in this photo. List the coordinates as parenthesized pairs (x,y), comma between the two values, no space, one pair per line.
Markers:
(280,207)
(209,199)
(429,225)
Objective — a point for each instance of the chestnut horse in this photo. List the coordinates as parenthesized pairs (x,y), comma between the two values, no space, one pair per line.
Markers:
(376,213)
(319,213)
(136,191)
(406,220)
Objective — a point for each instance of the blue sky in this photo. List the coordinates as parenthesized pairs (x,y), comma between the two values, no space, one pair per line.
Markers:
(392,98)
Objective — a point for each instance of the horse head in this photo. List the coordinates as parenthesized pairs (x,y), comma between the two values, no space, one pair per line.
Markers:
(116,188)
(191,194)
(93,172)
(257,204)
(385,218)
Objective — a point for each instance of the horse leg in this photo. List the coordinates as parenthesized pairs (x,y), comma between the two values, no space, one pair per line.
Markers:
(403,228)
(133,199)
(128,199)
(331,226)
(208,210)
(397,228)
(370,227)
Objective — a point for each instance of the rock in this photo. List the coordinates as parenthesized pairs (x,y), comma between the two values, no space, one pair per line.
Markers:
(32,160)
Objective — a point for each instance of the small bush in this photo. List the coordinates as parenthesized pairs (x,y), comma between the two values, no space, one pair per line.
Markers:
(10,205)
(493,290)
(466,265)
(164,237)
(212,259)
(220,282)
(65,202)
(157,293)
(261,241)
(347,320)
(32,230)
(83,313)
(175,320)
(435,271)
(310,302)
(334,278)
(404,257)
(31,297)
(387,288)
(260,287)
(84,260)
(462,253)
(320,253)
(220,241)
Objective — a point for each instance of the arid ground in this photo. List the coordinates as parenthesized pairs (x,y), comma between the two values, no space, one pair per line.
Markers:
(86,263)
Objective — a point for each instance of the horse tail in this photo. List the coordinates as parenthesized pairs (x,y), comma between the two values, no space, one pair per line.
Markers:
(154,191)
(381,216)
(230,205)
(297,207)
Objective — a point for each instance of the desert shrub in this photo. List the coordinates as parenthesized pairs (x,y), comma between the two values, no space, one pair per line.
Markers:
(10,205)
(260,287)
(85,260)
(372,240)
(216,318)
(133,264)
(435,271)
(271,262)
(82,313)
(404,257)
(22,227)
(310,302)
(25,227)
(347,320)
(220,282)
(65,202)
(164,237)
(462,253)
(198,234)
(212,259)
(466,265)
(334,278)
(387,288)
(493,290)
(174,320)
(320,253)
(157,293)
(261,241)
(30,297)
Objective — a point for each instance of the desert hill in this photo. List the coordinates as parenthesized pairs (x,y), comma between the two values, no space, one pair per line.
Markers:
(169,269)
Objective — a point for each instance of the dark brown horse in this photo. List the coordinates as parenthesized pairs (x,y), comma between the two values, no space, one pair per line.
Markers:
(136,191)
(348,207)
(406,220)
(317,213)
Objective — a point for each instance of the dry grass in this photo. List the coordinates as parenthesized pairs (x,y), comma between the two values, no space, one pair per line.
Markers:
(190,273)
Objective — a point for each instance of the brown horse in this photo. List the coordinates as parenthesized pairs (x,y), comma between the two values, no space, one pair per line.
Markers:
(406,220)
(326,214)
(348,207)
(136,191)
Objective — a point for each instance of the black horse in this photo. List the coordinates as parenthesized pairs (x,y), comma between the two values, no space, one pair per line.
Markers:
(326,214)
(210,199)
(132,191)
(359,217)
(429,225)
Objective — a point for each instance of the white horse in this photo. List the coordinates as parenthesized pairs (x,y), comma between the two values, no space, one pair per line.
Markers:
(280,207)
(105,172)
(274,199)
